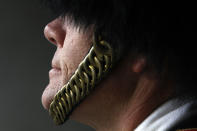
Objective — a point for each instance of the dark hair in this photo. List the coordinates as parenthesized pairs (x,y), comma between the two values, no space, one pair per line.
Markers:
(163,31)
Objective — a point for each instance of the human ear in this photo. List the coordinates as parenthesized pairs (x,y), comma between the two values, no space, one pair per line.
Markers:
(139,64)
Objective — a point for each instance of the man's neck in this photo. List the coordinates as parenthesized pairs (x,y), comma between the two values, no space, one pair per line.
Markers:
(147,96)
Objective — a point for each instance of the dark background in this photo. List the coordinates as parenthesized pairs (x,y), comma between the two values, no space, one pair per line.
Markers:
(25,58)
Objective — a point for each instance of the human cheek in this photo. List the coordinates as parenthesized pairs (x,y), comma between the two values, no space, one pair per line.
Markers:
(68,61)
(72,54)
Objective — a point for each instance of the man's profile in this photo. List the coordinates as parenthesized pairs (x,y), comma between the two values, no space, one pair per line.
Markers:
(123,65)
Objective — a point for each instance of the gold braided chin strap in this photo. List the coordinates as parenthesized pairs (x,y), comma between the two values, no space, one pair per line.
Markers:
(91,70)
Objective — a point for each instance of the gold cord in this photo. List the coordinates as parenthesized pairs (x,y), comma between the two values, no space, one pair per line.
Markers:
(90,71)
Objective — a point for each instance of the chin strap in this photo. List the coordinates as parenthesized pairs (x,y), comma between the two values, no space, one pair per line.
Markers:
(90,72)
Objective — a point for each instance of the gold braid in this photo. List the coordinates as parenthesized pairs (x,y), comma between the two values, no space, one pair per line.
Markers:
(90,71)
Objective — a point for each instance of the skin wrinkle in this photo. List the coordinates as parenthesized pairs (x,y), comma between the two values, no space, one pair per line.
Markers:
(71,67)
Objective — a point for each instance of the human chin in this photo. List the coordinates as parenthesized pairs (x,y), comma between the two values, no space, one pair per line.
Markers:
(55,83)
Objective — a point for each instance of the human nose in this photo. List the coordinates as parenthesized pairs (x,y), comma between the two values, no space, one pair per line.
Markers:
(55,33)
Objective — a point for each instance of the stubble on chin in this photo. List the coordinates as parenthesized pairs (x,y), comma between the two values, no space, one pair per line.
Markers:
(52,88)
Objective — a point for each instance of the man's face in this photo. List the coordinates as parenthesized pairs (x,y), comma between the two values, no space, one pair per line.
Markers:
(72,46)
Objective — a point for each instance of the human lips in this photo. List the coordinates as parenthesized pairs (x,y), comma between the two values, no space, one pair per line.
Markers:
(54,72)
(53,86)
